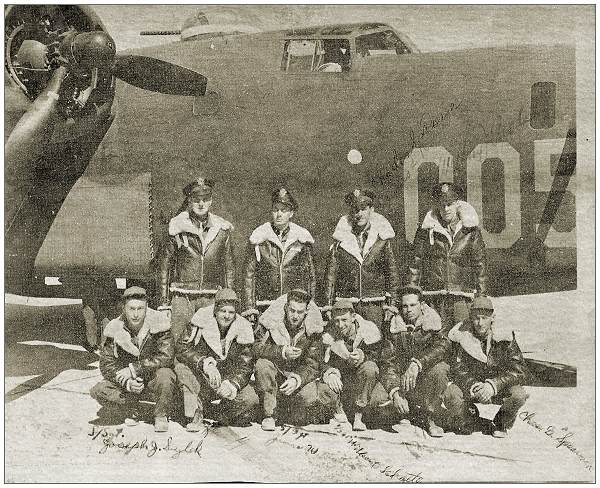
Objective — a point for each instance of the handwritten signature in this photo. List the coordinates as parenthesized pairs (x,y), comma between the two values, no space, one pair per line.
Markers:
(396,474)
(116,440)
(562,437)
(284,430)
(426,124)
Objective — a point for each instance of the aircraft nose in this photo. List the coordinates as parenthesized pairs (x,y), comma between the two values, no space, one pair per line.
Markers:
(94,49)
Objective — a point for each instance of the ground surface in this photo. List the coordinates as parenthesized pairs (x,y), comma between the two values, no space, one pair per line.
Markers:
(49,437)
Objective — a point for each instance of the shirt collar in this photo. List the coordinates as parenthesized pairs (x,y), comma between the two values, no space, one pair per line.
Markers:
(281,234)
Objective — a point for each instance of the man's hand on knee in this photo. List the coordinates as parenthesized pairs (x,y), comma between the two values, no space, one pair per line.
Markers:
(289,386)
(123,375)
(227,390)
(135,385)
(400,403)
(482,392)
(409,378)
(334,382)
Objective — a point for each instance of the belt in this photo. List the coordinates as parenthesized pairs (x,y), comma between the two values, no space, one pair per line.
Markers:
(456,293)
(191,289)
(364,299)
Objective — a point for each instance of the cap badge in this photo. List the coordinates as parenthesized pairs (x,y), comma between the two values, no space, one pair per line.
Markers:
(356,193)
(282,193)
(445,188)
(200,181)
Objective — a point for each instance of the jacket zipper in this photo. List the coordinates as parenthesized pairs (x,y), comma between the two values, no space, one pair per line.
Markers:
(281,272)
(202,268)
(360,280)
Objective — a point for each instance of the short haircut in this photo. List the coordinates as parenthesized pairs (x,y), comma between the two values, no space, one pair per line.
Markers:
(299,296)
(411,290)
(221,303)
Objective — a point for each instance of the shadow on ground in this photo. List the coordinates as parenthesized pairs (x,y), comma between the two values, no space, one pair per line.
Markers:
(38,342)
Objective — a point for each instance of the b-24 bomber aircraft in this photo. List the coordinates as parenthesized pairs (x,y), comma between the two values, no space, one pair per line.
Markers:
(94,166)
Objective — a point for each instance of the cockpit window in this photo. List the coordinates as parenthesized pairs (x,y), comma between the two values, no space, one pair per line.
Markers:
(380,43)
(317,55)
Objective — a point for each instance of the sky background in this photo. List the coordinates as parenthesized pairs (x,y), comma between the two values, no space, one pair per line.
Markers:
(431,27)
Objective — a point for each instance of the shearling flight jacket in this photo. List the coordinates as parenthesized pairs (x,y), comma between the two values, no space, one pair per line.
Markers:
(155,347)
(195,260)
(273,268)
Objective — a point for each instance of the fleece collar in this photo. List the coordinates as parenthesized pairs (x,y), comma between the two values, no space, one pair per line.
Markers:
(428,321)
(154,323)
(273,319)
(366,331)
(205,327)
(380,228)
(462,334)
(265,232)
(468,219)
(182,223)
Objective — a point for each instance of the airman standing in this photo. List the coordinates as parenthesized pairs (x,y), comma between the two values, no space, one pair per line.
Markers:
(361,261)
(279,256)
(197,259)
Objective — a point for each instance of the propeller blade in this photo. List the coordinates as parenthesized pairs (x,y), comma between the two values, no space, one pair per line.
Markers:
(158,76)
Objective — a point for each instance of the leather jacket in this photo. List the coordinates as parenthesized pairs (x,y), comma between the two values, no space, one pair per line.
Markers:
(272,268)
(424,344)
(370,272)
(367,339)
(273,335)
(497,360)
(153,348)
(445,262)
(195,260)
(231,354)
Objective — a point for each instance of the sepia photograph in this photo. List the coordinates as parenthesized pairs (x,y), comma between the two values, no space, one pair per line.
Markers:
(313,243)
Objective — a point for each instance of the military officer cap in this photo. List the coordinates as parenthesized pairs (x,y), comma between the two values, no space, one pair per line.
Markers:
(134,293)
(282,195)
(342,305)
(446,192)
(482,303)
(360,198)
(200,186)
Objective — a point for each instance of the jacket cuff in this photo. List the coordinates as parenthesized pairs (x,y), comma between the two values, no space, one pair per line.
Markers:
(236,384)
(418,363)
(164,307)
(283,349)
(493,384)
(127,385)
(209,361)
(297,378)
(332,371)
(392,391)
